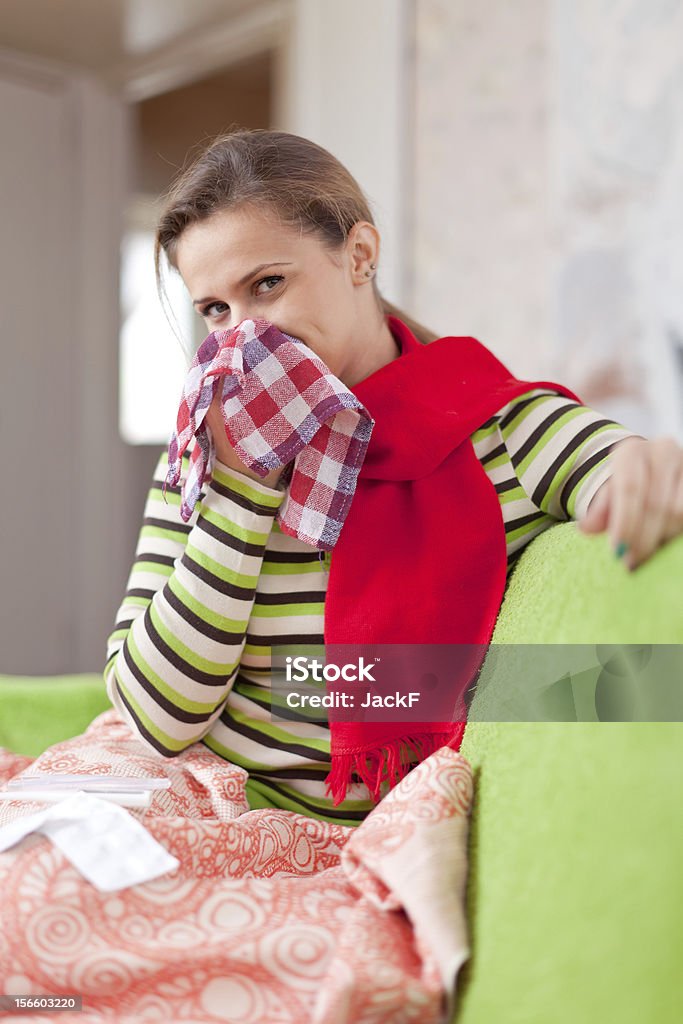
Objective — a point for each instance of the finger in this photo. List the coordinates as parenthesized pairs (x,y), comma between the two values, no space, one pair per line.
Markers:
(662,477)
(596,516)
(629,484)
(675,526)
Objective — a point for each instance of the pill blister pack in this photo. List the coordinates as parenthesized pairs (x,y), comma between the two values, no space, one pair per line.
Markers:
(127,790)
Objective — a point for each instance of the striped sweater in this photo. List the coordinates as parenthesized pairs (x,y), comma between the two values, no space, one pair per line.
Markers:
(189,657)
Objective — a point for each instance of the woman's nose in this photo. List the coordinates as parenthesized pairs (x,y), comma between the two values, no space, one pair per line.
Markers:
(240,313)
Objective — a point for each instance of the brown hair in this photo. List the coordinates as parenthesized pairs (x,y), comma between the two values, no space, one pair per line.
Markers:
(303,183)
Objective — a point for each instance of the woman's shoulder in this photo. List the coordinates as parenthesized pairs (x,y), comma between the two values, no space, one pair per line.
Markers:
(535,396)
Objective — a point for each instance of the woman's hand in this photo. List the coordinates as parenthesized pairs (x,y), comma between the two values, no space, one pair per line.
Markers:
(642,502)
(225,452)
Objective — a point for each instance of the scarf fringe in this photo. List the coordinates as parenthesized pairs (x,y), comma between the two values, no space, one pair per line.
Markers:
(391,761)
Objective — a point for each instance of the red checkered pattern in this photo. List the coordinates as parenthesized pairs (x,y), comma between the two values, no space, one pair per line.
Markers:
(281,405)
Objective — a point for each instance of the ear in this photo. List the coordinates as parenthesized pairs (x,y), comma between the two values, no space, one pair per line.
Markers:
(363,247)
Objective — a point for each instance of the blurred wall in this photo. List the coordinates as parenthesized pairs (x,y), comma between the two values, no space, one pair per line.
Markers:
(170,126)
(349,85)
(482,246)
(66,494)
(548,216)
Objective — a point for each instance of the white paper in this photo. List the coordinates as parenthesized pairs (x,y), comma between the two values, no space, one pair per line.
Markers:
(105,843)
(43,795)
(88,783)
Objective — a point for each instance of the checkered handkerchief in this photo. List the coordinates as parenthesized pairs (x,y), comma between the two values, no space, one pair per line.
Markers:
(280,403)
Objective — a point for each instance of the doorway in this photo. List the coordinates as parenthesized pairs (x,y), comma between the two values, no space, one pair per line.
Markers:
(160,334)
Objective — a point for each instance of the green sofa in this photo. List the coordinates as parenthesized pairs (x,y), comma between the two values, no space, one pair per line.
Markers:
(575,883)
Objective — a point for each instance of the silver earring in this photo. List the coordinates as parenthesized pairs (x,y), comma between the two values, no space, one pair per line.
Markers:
(373,266)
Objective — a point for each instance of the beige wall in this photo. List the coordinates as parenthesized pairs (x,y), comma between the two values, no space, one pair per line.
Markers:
(66,492)
(169,126)
(548,219)
(481,240)
(348,85)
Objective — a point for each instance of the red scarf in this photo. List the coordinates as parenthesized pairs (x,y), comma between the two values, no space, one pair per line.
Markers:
(427,529)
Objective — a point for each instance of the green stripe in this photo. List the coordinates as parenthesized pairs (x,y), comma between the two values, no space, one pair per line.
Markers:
(259,537)
(223,572)
(574,493)
(567,466)
(156,493)
(319,802)
(208,616)
(166,741)
(271,730)
(176,536)
(242,487)
(214,668)
(158,567)
(258,693)
(139,602)
(522,531)
(303,649)
(258,650)
(274,700)
(260,794)
(144,566)
(550,432)
(291,800)
(233,756)
(163,688)
(514,494)
(278,611)
(483,433)
(119,634)
(500,460)
(520,415)
(285,569)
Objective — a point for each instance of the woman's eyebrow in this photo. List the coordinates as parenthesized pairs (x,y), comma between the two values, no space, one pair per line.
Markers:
(247,277)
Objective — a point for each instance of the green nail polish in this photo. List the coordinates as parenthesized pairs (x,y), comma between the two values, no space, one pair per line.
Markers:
(621,549)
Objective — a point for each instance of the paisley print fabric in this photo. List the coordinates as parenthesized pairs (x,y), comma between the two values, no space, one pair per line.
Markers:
(272,917)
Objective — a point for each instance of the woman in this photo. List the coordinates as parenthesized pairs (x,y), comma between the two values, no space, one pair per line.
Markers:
(268,225)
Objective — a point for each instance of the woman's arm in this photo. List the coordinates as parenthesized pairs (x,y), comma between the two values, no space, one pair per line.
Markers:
(574,463)
(559,450)
(181,628)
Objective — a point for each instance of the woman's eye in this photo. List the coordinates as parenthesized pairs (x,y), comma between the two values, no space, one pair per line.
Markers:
(215,309)
(207,311)
(264,279)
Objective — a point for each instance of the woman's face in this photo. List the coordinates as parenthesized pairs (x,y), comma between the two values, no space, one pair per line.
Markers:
(240,264)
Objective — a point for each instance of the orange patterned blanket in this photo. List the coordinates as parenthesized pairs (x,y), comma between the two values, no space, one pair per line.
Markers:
(271,918)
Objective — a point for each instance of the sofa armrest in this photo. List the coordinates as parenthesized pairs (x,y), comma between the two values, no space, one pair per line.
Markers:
(574,887)
(568,587)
